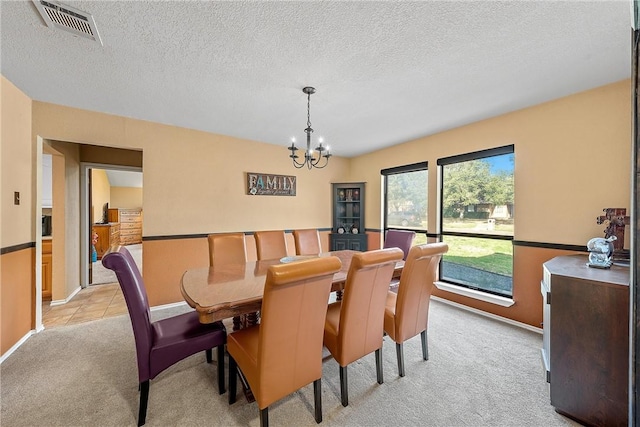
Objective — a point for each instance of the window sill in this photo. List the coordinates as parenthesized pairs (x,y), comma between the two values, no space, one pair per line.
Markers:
(472,293)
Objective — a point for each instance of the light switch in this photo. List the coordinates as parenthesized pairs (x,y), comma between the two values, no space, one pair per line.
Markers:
(16,197)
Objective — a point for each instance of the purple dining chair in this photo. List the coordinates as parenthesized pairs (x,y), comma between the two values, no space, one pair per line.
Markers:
(402,239)
(162,343)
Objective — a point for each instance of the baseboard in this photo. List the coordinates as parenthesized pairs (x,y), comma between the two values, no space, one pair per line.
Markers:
(16,346)
(67,299)
(61,302)
(489,315)
(165,306)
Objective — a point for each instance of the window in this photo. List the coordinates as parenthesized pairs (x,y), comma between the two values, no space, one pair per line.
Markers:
(405,198)
(476,220)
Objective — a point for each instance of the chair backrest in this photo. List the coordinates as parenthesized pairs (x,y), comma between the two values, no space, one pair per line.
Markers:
(271,244)
(402,239)
(228,248)
(121,262)
(414,290)
(307,242)
(362,308)
(294,308)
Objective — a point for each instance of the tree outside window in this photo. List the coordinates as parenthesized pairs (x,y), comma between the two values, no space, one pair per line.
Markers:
(477,219)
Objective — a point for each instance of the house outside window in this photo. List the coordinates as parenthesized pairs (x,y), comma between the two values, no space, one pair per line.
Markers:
(477,219)
(405,199)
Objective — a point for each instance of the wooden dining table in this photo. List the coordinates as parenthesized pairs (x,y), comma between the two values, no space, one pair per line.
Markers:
(224,291)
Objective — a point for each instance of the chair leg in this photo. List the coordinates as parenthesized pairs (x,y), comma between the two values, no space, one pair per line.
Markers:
(344,389)
(233,377)
(209,354)
(400,355)
(379,366)
(425,345)
(317,397)
(221,388)
(264,417)
(144,399)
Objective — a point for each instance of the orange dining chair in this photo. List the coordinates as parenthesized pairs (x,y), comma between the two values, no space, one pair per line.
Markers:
(354,325)
(407,311)
(165,342)
(227,248)
(284,352)
(307,242)
(402,239)
(271,244)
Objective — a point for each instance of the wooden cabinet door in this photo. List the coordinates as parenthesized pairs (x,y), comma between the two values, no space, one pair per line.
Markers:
(339,245)
(103,232)
(355,245)
(47,272)
(47,269)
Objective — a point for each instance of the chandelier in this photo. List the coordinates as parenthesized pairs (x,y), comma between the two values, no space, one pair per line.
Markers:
(312,158)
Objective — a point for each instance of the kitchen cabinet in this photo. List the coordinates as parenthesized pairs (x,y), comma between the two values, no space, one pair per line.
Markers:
(47,268)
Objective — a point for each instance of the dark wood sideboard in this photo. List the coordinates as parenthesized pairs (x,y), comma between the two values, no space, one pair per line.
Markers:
(586,340)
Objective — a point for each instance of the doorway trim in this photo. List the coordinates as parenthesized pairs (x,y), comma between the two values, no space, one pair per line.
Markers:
(85,168)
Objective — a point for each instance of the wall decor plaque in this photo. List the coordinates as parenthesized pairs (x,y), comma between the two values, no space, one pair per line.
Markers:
(262,184)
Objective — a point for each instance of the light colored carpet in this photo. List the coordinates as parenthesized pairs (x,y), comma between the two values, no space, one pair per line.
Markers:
(481,372)
(102,275)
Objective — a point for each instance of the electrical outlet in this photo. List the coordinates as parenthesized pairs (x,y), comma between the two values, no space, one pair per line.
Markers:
(16,197)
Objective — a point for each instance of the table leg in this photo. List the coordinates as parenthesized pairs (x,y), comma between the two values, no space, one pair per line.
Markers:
(252,318)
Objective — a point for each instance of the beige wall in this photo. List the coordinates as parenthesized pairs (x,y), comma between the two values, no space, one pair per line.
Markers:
(572,159)
(66,230)
(17,157)
(100,193)
(126,197)
(194,181)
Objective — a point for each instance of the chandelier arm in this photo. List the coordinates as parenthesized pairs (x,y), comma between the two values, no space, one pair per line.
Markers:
(297,164)
(325,163)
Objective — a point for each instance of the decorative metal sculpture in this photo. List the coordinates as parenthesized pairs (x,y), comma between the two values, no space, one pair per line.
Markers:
(600,252)
(617,219)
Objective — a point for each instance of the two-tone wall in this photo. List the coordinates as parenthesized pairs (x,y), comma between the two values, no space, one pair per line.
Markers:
(572,159)
(17,221)
(194,185)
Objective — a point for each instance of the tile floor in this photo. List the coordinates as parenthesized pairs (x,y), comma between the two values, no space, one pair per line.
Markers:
(92,303)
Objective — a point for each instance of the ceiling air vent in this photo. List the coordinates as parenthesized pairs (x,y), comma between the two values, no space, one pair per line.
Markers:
(68,19)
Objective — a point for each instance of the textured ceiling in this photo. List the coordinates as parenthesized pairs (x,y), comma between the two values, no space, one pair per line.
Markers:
(385,72)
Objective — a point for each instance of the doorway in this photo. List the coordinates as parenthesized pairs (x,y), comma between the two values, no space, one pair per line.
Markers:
(114,209)
(70,227)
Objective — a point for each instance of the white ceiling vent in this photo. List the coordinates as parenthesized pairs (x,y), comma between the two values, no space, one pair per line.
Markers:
(68,19)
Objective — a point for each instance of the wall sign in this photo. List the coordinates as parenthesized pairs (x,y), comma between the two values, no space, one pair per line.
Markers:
(262,184)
